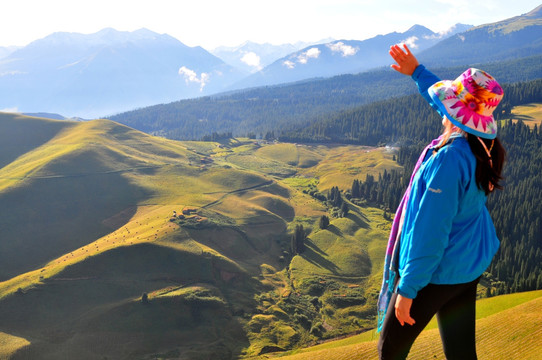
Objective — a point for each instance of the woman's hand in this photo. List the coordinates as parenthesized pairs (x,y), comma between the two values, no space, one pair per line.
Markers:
(406,62)
(402,310)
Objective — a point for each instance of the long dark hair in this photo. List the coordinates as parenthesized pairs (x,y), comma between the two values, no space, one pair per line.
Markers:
(488,170)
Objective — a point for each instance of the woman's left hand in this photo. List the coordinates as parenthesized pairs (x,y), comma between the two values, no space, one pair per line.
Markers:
(402,310)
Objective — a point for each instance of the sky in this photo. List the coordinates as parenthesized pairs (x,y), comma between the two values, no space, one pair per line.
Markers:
(213,23)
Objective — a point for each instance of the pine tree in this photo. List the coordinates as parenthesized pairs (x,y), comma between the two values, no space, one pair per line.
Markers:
(298,240)
(324,222)
(344,209)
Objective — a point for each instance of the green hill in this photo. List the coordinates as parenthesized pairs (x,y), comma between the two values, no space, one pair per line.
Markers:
(508,327)
(87,230)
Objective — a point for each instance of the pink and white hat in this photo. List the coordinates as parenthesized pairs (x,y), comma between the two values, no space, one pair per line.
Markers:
(468,101)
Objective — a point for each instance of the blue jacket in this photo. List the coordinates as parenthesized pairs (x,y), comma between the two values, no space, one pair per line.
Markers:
(448,236)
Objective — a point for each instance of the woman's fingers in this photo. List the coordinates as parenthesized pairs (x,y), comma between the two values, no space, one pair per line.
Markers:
(406,62)
(402,310)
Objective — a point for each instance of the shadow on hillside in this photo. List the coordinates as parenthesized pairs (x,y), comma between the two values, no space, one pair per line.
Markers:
(313,254)
(314,247)
(94,306)
(335,230)
(359,220)
(64,214)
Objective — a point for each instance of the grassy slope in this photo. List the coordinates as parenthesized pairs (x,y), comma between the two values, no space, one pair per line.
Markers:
(508,327)
(94,227)
(125,186)
(530,114)
(76,180)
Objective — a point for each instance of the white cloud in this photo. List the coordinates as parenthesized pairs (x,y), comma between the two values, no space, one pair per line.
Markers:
(204,79)
(436,36)
(12,72)
(252,59)
(190,76)
(411,42)
(303,58)
(440,34)
(341,47)
(312,53)
(289,64)
(10,110)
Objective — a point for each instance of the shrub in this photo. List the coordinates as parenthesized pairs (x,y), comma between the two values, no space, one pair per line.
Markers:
(324,222)
(145,298)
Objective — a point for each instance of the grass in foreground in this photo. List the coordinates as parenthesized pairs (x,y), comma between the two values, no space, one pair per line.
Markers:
(508,327)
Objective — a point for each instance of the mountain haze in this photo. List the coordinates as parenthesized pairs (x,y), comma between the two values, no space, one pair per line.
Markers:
(251,57)
(290,106)
(107,72)
(6,50)
(343,56)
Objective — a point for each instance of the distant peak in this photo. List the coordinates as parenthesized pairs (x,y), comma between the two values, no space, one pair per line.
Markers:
(107,30)
(457,28)
(419,28)
(144,31)
(535,13)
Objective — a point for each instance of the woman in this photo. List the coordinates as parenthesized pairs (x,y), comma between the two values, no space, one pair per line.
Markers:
(443,238)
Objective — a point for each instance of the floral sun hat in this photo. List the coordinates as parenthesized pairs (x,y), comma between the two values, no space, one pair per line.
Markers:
(468,101)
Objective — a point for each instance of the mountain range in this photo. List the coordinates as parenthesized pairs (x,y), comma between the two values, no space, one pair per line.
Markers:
(517,42)
(101,74)
(251,57)
(106,72)
(513,38)
(344,56)
(109,72)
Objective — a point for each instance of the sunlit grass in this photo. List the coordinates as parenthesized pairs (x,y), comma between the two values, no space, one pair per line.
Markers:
(508,327)
(341,165)
(9,344)
(530,114)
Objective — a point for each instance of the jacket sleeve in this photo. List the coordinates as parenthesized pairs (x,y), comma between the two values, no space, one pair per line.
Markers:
(430,213)
(424,79)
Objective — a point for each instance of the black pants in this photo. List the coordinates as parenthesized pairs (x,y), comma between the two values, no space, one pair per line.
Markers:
(455,306)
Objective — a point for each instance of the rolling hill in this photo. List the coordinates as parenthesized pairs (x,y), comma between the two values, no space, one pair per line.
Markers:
(94,264)
(508,327)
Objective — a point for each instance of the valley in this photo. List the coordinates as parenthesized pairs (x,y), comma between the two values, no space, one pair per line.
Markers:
(101,228)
